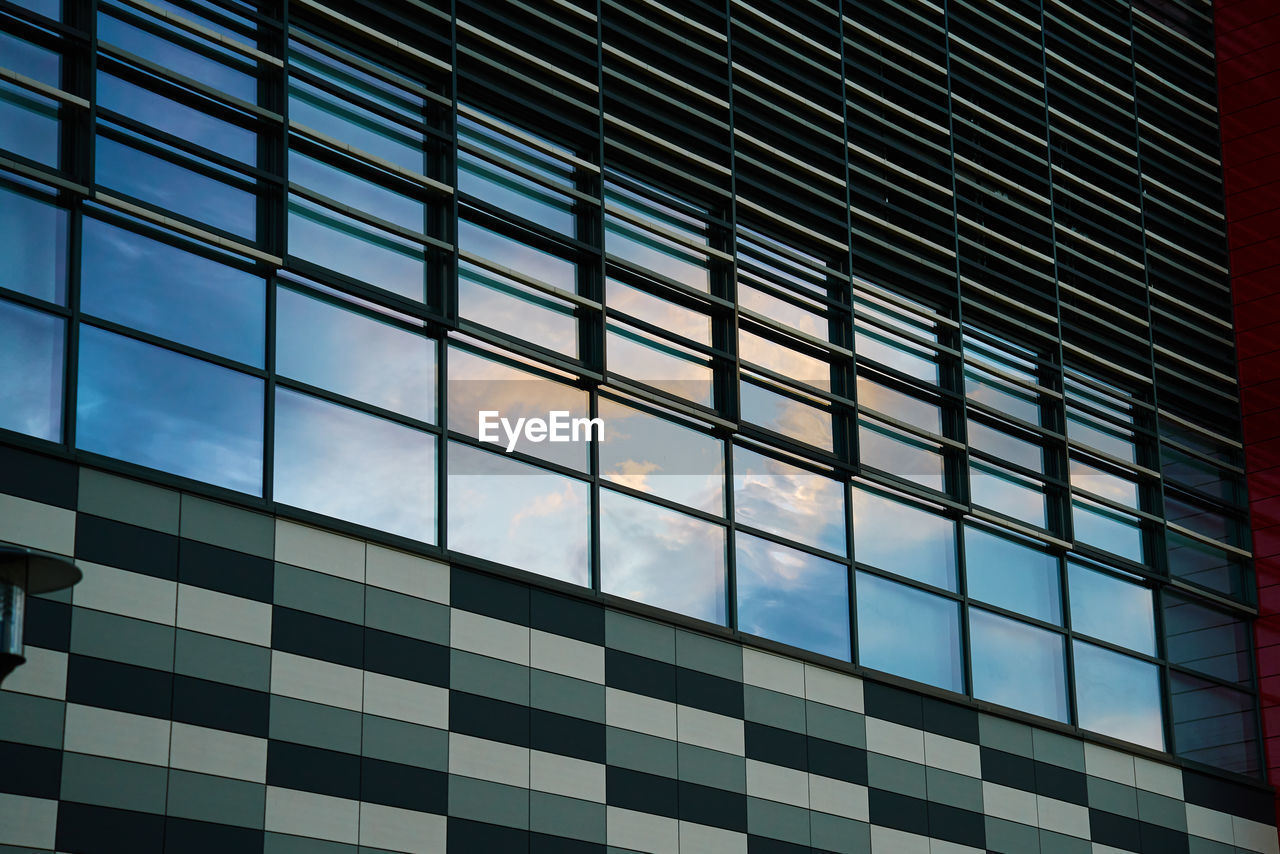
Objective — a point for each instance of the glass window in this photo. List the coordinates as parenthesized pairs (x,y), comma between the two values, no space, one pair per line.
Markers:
(231,76)
(517,256)
(1214,724)
(1001,396)
(1104,484)
(33,243)
(1005,447)
(1100,436)
(1111,609)
(894,351)
(166,291)
(353,354)
(356,192)
(651,454)
(516,309)
(1117,695)
(929,652)
(48,8)
(1005,492)
(900,454)
(29,124)
(1018,665)
(904,539)
(1207,640)
(343,463)
(661,557)
(157,408)
(793,597)
(355,249)
(510,512)
(1202,564)
(649,249)
(1105,528)
(1012,575)
(31,359)
(505,189)
(789,501)
(807,320)
(664,314)
(787,414)
(187,123)
(784,361)
(666,366)
(31,60)
(896,404)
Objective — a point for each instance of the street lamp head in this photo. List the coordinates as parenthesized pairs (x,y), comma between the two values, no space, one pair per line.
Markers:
(24,571)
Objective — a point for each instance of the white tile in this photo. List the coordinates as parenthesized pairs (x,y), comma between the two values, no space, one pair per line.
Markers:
(785,675)
(215,751)
(639,713)
(776,783)
(890,739)
(129,594)
(36,525)
(1009,804)
(322,551)
(1062,817)
(570,657)
(118,735)
(28,822)
(44,674)
(312,815)
(564,775)
(833,688)
(1210,824)
(1255,836)
(951,754)
(1109,764)
(316,681)
(885,840)
(215,613)
(487,636)
(641,831)
(488,760)
(1157,777)
(392,829)
(711,840)
(407,574)
(837,797)
(707,729)
(406,700)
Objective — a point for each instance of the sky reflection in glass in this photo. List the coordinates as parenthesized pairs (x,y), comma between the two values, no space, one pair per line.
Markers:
(1006,493)
(660,557)
(356,192)
(784,361)
(1105,528)
(31,60)
(31,348)
(784,414)
(198,66)
(342,463)
(903,539)
(33,243)
(672,318)
(792,597)
(29,125)
(186,123)
(654,455)
(508,306)
(665,366)
(506,511)
(900,454)
(789,501)
(1011,575)
(157,408)
(1018,665)
(514,194)
(355,355)
(514,255)
(174,294)
(909,633)
(354,249)
(1118,696)
(1111,609)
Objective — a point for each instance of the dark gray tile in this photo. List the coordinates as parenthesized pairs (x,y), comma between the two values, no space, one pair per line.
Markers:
(122,639)
(222,660)
(112,783)
(489,677)
(222,800)
(315,725)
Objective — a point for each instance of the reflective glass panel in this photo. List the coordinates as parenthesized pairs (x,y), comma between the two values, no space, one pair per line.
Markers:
(1018,665)
(33,243)
(514,194)
(660,557)
(31,60)
(1100,436)
(1007,493)
(1214,724)
(355,355)
(896,352)
(1010,575)
(354,191)
(508,306)
(197,65)
(783,360)
(343,463)
(1099,526)
(1010,399)
(1206,639)
(792,597)
(357,250)
(789,501)
(651,454)
(1117,695)
(804,422)
(895,404)
(186,123)
(899,454)
(175,294)
(666,315)
(1104,484)
(1005,447)
(782,311)
(1111,609)
(31,358)
(29,123)
(510,512)
(929,652)
(1200,563)
(904,539)
(514,255)
(665,366)
(157,408)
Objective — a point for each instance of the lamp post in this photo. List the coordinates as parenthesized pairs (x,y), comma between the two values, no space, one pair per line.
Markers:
(24,571)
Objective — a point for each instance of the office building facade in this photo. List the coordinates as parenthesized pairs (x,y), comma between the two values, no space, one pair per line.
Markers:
(901,504)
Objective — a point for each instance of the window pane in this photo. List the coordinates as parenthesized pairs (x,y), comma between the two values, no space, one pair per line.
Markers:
(187,123)
(1117,695)
(660,557)
(1011,575)
(33,243)
(1214,724)
(1018,665)
(31,358)
(514,194)
(516,309)
(510,512)
(788,501)
(30,59)
(900,538)
(796,419)
(784,361)
(792,597)
(518,256)
(343,463)
(151,406)
(1104,484)
(780,310)
(355,355)
(895,352)
(1100,436)
(667,367)
(29,124)
(929,652)
(1105,528)
(668,316)
(1111,609)
(900,454)
(654,455)
(175,294)
(1003,397)
(1206,639)
(357,250)
(164,52)
(896,404)
(1006,493)
(1005,447)
(348,121)
(1202,564)
(354,191)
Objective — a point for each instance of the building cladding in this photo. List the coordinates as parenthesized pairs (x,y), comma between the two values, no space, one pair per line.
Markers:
(920,520)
